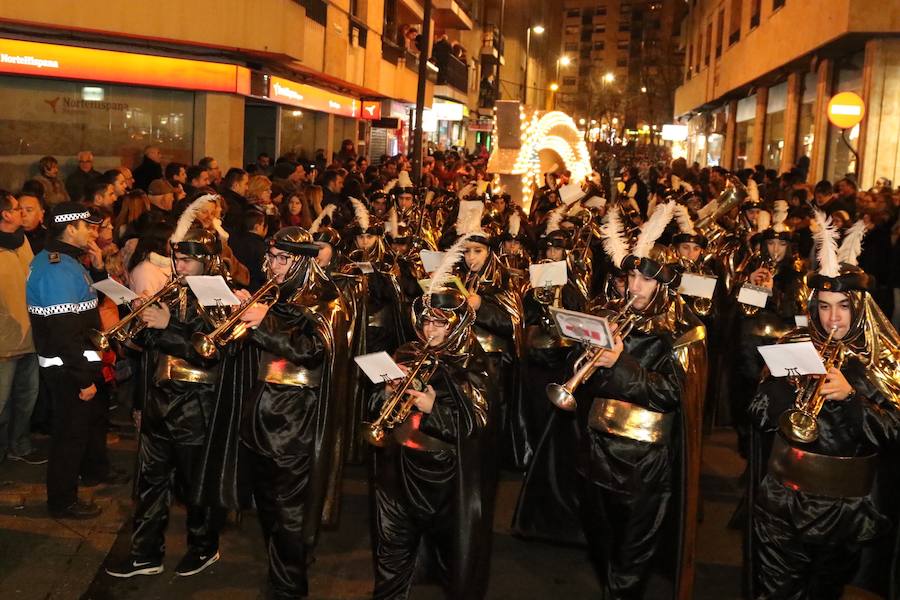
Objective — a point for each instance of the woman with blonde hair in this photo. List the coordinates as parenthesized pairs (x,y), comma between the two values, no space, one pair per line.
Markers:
(134,204)
(259,194)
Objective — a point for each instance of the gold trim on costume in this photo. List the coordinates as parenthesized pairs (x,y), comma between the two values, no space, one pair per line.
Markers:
(631,421)
(171,368)
(274,369)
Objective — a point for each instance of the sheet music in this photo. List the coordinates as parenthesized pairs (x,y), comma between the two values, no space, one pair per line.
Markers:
(800,358)
(211,290)
(547,274)
(379,367)
(694,284)
(114,290)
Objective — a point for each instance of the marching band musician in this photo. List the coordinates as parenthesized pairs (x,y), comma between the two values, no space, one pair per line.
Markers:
(816,455)
(174,416)
(639,414)
(433,486)
(292,415)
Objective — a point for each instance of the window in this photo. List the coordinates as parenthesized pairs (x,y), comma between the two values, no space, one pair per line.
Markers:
(773,136)
(708,48)
(754,13)
(317,10)
(734,29)
(573,13)
(571,46)
(720,26)
(569,81)
(599,28)
(600,11)
(622,45)
(598,45)
(572,29)
(776,4)
(624,26)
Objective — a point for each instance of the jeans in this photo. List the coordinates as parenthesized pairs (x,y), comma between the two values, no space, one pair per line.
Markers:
(18,393)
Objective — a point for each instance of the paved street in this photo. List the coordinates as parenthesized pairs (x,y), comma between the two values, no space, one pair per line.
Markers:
(41,558)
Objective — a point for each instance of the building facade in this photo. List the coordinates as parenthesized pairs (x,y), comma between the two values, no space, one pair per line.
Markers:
(758,75)
(621,60)
(233,78)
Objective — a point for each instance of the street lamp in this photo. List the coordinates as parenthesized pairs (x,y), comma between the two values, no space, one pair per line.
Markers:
(538,30)
(554,87)
(609,77)
(643,89)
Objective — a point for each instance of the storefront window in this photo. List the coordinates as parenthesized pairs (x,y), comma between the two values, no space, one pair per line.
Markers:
(40,117)
(839,160)
(806,125)
(304,132)
(743,142)
(773,140)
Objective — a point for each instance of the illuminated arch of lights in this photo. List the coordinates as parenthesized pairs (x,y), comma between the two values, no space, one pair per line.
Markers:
(554,131)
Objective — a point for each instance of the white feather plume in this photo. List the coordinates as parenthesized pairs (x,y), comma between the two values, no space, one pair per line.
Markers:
(217,225)
(468,217)
(851,247)
(444,272)
(554,218)
(826,245)
(389,185)
(753,190)
(393,225)
(328,211)
(613,231)
(780,216)
(188,217)
(652,229)
(515,224)
(403,180)
(361,212)
(763,220)
(683,218)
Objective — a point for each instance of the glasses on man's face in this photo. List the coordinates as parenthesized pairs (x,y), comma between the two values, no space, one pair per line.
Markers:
(280,259)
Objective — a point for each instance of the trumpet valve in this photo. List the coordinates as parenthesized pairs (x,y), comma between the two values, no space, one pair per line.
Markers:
(561,397)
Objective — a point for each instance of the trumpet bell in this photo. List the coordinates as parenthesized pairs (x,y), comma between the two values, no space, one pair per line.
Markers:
(799,426)
(99,340)
(204,345)
(374,435)
(561,397)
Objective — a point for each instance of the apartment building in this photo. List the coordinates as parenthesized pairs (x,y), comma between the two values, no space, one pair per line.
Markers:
(758,75)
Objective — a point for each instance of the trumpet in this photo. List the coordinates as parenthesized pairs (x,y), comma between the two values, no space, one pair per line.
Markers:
(128,326)
(563,396)
(397,408)
(231,329)
(801,423)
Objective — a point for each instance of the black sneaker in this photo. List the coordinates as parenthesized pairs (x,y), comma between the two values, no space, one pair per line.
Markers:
(32,458)
(193,563)
(135,566)
(78,510)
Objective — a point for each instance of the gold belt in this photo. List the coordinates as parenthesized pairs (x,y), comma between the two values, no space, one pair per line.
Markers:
(631,421)
(407,435)
(171,368)
(275,369)
(491,342)
(820,474)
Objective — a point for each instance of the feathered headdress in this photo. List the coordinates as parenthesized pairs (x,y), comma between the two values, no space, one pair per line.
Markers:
(468,218)
(826,245)
(389,185)
(613,231)
(188,217)
(444,272)
(652,229)
(851,247)
(554,218)
(683,218)
(403,180)
(363,218)
(514,225)
(328,211)
(763,220)
(780,216)
(753,190)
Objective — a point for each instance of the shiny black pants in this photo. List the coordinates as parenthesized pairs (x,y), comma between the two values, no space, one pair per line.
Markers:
(279,488)
(162,463)
(788,568)
(622,529)
(77,439)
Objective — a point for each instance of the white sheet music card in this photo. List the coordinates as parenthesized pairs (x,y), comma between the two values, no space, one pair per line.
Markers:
(800,358)
(694,284)
(754,295)
(379,367)
(801,320)
(582,327)
(547,274)
(211,290)
(365,267)
(431,260)
(114,290)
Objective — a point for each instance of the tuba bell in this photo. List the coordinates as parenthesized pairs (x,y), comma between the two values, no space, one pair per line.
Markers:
(397,408)
(129,326)
(563,396)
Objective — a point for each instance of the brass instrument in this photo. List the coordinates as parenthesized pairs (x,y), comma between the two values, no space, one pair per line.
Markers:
(128,327)
(563,396)
(771,266)
(800,424)
(728,199)
(397,408)
(548,295)
(231,329)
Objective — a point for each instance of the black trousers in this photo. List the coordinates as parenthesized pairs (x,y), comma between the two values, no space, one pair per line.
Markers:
(77,438)
(279,488)
(622,529)
(168,468)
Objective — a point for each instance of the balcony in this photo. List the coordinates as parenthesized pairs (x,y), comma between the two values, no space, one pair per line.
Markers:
(491,46)
(452,14)
(454,73)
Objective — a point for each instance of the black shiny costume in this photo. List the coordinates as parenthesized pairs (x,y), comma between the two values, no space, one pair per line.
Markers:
(438,504)
(627,486)
(807,546)
(175,417)
(282,427)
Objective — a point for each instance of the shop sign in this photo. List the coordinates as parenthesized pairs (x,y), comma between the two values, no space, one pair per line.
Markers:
(312,98)
(674,133)
(481,125)
(846,110)
(371,110)
(447,111)
(37,59)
